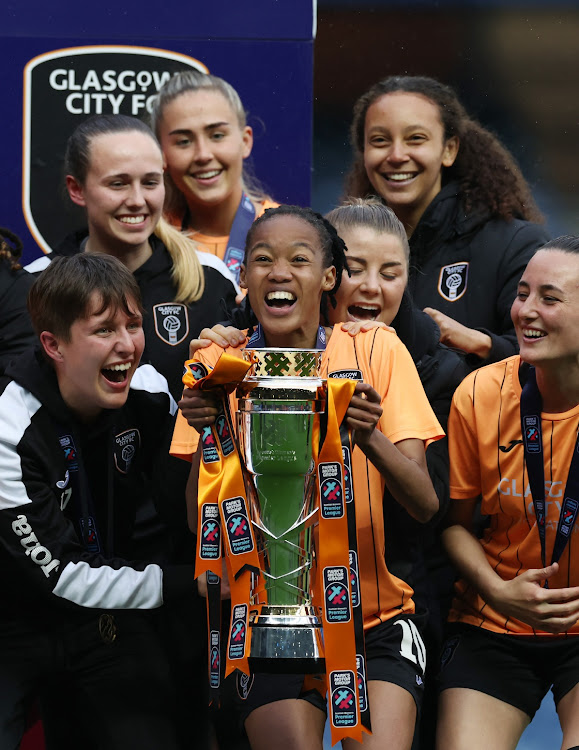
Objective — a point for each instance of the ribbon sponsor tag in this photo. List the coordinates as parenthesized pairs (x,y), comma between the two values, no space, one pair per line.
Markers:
(347,459)
(238,632)
(354,578)
(331,489)
(361,674)
(237,524)
(224,435)
(214,659)
(336,594)
(210,536)
(343,699)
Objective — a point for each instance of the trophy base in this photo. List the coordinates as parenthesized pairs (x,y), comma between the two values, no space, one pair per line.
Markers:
(286,639)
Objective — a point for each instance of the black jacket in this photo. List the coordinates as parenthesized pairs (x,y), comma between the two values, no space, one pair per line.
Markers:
(468,267)
(168,325)
(441,370)
(16,333)
(69,493)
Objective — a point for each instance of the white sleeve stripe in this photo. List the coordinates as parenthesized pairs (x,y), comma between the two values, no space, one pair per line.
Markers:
(108,588)
(147,378)
(38,265)
(17,407)
(206,259)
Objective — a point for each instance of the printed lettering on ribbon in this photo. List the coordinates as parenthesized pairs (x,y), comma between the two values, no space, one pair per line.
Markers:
(347,474)
(214,659)
(354,578)
(224,435)
(336,594)
(362,694)
(237,525)
(343,699)
(210,536)
(210,453)
(238,632)
(331,490)
(532,435)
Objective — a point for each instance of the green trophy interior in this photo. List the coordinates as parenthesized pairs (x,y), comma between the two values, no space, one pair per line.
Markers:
(281,450)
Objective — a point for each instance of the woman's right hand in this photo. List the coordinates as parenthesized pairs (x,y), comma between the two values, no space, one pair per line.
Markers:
(200,408)
(526,599)
(223,336)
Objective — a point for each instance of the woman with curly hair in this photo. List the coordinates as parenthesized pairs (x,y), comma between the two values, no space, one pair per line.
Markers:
(16,332)
(469,214)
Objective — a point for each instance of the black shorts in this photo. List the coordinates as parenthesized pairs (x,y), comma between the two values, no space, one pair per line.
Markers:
(518,670)
(395,653)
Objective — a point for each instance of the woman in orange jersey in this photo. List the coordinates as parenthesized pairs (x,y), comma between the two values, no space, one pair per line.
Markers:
(201,124)
(292,264)
(513,441)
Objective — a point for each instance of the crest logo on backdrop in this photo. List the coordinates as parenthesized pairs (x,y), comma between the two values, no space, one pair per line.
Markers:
(64,87)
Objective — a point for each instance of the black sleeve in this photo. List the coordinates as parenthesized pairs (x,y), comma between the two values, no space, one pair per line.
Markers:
(16,333)
(526,240)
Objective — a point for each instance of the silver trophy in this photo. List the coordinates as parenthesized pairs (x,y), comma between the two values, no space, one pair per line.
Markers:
(278,401)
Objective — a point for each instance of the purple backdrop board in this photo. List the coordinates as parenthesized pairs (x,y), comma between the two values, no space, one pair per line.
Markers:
(61,67)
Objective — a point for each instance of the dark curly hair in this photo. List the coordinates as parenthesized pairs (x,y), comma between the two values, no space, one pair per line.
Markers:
(333,247)
(487,174)
(10,248)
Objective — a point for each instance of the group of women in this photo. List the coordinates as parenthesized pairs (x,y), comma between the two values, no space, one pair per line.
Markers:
(418,267)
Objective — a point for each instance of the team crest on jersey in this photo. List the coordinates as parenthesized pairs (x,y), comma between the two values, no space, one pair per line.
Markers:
(347,375)
(126,447)
(453,280)
(171,322)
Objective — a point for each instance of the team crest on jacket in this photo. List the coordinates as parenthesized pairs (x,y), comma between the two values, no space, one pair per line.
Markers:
(171,322)
(126,446)
(453,281)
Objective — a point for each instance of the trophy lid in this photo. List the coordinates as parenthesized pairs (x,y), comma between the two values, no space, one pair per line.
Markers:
(278,363)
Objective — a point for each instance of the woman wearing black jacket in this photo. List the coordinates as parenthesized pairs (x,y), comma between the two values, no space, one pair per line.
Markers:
(468,212)
(16,332)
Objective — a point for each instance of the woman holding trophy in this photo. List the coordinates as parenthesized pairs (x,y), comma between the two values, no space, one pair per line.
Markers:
(292,268)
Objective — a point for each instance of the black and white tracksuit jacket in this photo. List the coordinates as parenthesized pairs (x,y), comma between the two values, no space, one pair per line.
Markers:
(56,475)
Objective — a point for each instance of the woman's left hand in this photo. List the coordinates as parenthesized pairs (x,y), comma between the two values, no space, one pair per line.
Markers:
(364,412)
(457,336)
(354,327)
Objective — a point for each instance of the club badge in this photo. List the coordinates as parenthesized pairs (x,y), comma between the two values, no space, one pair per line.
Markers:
(452,281)
(171,322)
(126,447)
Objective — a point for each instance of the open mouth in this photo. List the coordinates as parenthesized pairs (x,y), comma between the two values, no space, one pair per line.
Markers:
(280,300)
(117,373)
(530,333)
(364,312)
(399,177)
(136,219)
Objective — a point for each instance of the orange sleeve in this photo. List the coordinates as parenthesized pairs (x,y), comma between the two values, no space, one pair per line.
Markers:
(406,410)
(185,438)
(465,479)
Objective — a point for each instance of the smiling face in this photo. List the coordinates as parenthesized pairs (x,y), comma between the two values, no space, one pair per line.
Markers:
(285,274)
(379,274)
(123,192)
(404,152)
(204,147)
(545,312)
(94,367)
